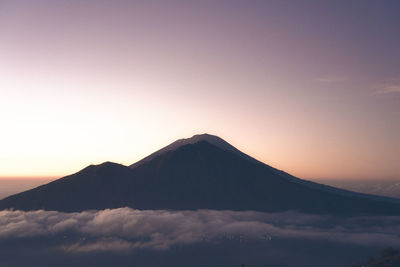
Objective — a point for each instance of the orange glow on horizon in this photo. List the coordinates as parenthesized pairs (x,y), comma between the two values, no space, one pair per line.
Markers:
(85,83)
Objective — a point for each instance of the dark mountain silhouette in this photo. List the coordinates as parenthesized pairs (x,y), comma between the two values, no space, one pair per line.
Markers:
(389,258)
(203,172)
(212,139)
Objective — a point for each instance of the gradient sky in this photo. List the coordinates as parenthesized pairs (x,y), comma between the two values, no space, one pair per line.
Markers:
(310,87)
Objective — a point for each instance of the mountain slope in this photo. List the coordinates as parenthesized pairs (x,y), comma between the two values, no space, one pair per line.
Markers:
(197,175)
(212,139)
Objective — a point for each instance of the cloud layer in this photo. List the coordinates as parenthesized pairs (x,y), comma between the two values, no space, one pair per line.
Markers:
(389,88)
(125,229)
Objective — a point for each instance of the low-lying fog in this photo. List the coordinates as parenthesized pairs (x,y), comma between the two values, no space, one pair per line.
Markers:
(191,238)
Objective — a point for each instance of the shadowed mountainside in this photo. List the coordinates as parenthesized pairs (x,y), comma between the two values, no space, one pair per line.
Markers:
(389,258)
(202,174)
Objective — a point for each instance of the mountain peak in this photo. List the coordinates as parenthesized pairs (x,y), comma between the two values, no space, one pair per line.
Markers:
(203,137)
(200,172)
(212,139)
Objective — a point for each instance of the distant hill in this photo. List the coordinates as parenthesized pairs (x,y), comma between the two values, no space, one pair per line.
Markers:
(202,172)
(380,187)
(389,258)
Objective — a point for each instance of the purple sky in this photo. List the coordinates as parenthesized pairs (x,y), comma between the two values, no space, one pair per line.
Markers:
(309,87)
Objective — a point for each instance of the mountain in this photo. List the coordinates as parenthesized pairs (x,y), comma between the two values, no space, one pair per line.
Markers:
(202,172)
(212,139)
(380,187)
(389,258)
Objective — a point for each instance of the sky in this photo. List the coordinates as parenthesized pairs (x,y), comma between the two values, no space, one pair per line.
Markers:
(309,87)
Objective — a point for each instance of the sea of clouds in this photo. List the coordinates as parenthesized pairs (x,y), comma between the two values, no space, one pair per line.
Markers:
(126,229)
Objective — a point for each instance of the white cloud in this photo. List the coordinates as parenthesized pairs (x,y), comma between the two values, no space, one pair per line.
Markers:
(125,229)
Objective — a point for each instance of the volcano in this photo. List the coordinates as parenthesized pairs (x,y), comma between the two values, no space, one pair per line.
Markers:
(201,172)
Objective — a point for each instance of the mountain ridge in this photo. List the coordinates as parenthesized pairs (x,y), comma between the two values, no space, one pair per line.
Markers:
(212,139)
(195,176)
